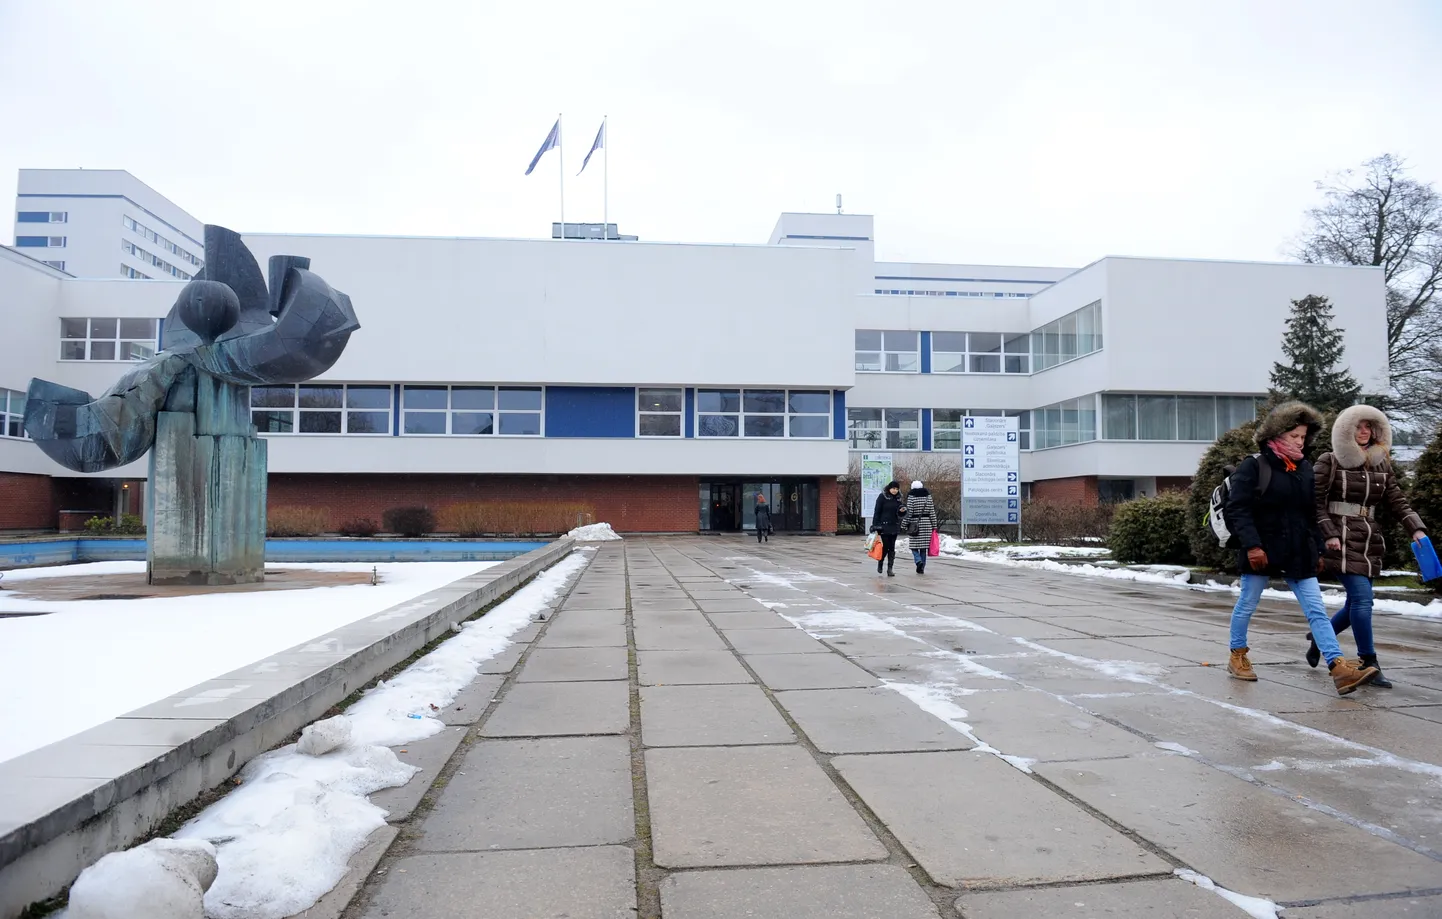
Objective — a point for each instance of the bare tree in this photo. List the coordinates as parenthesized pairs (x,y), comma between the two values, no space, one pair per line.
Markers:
(1378,215)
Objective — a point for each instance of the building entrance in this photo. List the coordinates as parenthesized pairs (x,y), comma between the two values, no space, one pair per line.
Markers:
(729,506)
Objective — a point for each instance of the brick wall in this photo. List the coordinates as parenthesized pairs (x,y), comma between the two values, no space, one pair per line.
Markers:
(27,502)
(1077,490)
(1173,483)
(631,504)
(828,499)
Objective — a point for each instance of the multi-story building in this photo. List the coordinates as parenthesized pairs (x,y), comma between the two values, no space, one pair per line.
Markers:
(104,223)
(663,385)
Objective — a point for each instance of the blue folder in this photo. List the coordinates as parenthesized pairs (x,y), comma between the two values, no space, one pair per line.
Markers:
(1427,564)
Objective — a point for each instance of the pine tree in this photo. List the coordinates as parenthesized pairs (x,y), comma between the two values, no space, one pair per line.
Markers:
(1427,486)
(1314,348)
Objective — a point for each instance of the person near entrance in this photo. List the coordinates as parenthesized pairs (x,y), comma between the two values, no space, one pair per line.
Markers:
(921,522)
(763,519)
(886,522)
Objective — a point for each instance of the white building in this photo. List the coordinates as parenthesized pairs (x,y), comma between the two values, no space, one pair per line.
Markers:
(104,223)
(660,386)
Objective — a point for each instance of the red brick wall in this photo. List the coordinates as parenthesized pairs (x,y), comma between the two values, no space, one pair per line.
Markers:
(828,498)
(631,504)
(27,502)
(1078,490)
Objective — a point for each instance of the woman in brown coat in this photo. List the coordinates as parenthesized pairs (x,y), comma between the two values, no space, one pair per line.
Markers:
(1353,481)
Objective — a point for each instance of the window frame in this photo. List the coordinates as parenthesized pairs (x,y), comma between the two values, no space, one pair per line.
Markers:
(884,352)
(970,358)
(1050,342)
(11,419)
(496,411)
(344,410)
(1023,417)
(643,413)
(742,414)
(116,340)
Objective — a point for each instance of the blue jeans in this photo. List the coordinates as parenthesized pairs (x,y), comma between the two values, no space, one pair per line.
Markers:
(1308,593)
(1357,613)
(918,556)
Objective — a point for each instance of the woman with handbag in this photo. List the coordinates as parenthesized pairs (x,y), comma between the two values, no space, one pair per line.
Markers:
(1353,482)
(921,522)
(763,519)
(886,521)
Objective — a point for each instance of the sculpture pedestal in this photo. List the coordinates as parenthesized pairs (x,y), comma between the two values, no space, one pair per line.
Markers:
(205,506)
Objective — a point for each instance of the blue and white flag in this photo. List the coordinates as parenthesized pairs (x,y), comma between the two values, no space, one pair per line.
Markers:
(599,142)
(553,139)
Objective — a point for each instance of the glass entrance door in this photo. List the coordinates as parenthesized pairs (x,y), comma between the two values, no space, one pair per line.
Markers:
(731,506)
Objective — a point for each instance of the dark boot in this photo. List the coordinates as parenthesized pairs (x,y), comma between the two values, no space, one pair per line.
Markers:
(878,567)
(1314,654)
(1370,660)
(889,572)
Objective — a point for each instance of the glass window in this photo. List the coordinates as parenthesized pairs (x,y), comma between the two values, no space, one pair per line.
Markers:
(1120,417)
(948,352)
(864,428)
(810,426)
(765,426)
(272,396)
(891,350)
(368,397)
(425,397)
(1075,335)
(316,408)
(946,428)
(809,403)
(1196,418)
(1063,424)
(521,399)
(107,339)
(1235,411)
(473,423)
(12,413)
(321,396)
(718,400)
(473,398)
(368,422)
(425,422)
(808,413)
(320,422)
(659,412)
(1156,418)
(1023,427)
(903,428)
(520,423)
(765,401)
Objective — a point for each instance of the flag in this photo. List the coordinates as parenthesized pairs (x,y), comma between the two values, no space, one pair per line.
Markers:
(599,142)
(553,139)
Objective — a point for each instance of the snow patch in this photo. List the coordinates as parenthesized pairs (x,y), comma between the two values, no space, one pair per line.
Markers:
(1256,907)
(1171,747)
(163,879)
(595,532)
(935,698)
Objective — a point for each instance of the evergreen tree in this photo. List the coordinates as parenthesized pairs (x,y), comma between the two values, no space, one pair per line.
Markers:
(1314,349)
(1427,487)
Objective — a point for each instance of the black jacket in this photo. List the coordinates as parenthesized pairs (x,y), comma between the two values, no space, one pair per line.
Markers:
(1283,522)
(886,517)
(763,516)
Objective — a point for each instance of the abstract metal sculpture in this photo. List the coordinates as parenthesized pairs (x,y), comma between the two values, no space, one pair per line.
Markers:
(205,508)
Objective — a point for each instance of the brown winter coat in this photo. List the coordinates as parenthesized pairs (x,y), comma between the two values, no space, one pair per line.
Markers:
(1363,477)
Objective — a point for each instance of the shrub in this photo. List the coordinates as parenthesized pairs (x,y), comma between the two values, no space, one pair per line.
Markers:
(409,521)
(296,521)
(362,527)
(1151,531)
(515,518)
(1427,487)
(130,525)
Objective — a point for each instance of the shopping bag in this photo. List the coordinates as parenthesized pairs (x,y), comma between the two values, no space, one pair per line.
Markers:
(871,540)
(935,548)
(876,551)
(1427,564)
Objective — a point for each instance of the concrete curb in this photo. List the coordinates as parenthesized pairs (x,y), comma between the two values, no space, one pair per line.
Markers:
(66,805)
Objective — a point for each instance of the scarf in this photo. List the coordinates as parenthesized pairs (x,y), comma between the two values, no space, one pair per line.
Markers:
(1288,454)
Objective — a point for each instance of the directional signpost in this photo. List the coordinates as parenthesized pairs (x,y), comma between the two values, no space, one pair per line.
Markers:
(990,472)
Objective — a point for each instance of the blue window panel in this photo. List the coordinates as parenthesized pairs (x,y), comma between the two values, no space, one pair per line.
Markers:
(925,427)
(590,411)
(396,410)
(838,414)
(690,412)
(24,242)
(926,352)
(33,217)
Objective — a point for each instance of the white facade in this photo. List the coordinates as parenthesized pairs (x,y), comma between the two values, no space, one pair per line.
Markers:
(1114,367)
(104,223)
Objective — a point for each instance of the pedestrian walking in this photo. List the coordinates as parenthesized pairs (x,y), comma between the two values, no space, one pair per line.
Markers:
(1274,515)
(763,519)
(921,522)
(886,520)
(1353,482)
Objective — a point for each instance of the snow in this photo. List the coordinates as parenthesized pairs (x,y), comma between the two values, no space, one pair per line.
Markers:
(595,532)
(163,879)
(285,837)
(1256,907)
(93,660)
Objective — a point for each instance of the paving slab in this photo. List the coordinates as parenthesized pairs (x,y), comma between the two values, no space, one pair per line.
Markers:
(1392,731)
(549,665)
(1431,713)
(599,883)
(529,794)
(716,806)
(869,644)
(663,617)
(504,661)
(713,716)
(554,709)
(431,755)
(969,818)
(808,671)
(815,892)
(700,637)
(1162,899)
(661,668)
(774,641)
(1038,726)
(1101,627)
(749,620)
(1107,649)
(741,605)
(1215,650)
(927,668)
(470,703)
(875,720)
(1403,907)
(1035,629)
(1243,837)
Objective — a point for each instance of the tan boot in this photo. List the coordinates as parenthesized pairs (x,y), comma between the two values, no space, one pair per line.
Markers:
(1347,676)
(1239,667)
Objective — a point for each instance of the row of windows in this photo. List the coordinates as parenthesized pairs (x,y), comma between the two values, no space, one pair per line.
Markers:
(12,413)
(43,217)
(1068,338)
(130,248)
(142,230)
(127,272)
(40,242)
(763,413)
(108,339)
(1195,419)
(894,351)
(55,263)
(991,294)
(900,428)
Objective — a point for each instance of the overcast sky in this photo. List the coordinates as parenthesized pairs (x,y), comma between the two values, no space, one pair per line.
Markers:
(1017,133)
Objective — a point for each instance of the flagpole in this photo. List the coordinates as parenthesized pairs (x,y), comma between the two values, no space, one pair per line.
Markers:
(606,180)
(561,172)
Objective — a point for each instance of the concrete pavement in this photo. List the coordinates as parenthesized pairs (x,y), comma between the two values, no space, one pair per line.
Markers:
(978,742)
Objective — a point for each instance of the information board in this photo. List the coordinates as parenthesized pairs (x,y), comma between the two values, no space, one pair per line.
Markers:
(876,472)
(991,470)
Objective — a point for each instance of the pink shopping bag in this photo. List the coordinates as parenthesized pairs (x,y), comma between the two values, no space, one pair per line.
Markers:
(935,548)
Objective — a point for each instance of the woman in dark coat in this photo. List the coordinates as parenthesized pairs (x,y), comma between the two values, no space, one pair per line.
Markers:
(1353,482)
(921,522)
(1278,535)
(886,520)
(763,519)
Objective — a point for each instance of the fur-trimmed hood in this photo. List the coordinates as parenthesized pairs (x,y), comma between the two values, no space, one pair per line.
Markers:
(1344,438)
(1286,416)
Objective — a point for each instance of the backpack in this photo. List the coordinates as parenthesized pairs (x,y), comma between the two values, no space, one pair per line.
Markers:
(1216,516)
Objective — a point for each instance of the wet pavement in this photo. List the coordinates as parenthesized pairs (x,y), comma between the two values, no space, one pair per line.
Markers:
(980,741)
